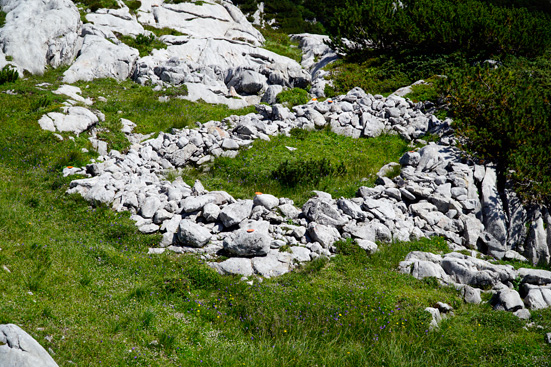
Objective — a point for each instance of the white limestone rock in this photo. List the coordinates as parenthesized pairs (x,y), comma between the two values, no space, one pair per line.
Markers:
(100,58)
(38,34)
(19,349)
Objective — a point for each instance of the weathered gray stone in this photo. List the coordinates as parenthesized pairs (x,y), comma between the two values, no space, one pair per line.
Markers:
(471,295)
(522,314)
(19,349)
(492,208)
(325,235)
(369,246)
(507,300)
(100,58)
(245,243)
(269,266)
(235,213)
(195,203)
(193,234)
(234,266)
(230,144)
(150,207)
(300,254)
(38,34)
(350,208)
(322,212)
(211,212)
(266,200)
(535,276)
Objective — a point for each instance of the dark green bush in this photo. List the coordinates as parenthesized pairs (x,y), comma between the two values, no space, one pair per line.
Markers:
(307,172)
(293,97)
(440,27)
(94,5)
(505,116)
(133,4)
(2,18)
(8,74)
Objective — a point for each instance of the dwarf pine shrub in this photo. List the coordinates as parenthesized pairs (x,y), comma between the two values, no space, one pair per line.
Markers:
(8,74)
(308,172)
(505,116)
(440,27)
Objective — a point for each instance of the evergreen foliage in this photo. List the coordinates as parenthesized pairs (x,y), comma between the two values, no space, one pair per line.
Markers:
(505,115)
(440,27)
(8,74)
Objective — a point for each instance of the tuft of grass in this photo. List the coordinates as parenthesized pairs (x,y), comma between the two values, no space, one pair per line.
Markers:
(253,169)
(94,5)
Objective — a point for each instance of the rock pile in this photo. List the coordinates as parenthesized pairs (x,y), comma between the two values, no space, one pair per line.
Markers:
(195,220)
(472,275)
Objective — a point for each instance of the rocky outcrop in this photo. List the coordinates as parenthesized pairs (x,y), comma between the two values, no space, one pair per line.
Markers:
(19,349)
(100,58)
(316,54)
(38,34)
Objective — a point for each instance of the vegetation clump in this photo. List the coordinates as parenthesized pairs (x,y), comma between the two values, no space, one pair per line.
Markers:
(8,74)
(143,43)
(476,28)
(504,115)
(293,97)
(309,172)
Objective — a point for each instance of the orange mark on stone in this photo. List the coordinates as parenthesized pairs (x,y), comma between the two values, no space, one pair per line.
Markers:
(250,230)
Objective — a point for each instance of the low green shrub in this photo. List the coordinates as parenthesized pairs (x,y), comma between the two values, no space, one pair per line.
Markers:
(2,18)
(8,74)
(162,31)
(143,43)
(94,5)
(133,5)
(308,172)
(472,27)
(505,116)
(293,97)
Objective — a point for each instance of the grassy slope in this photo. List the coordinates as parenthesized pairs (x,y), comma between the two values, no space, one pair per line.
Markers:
(104,301)
(252,169)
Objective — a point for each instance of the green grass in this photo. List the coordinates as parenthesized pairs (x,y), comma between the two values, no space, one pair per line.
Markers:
(252,169)
(81,275)
(281,44)
(141,105)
